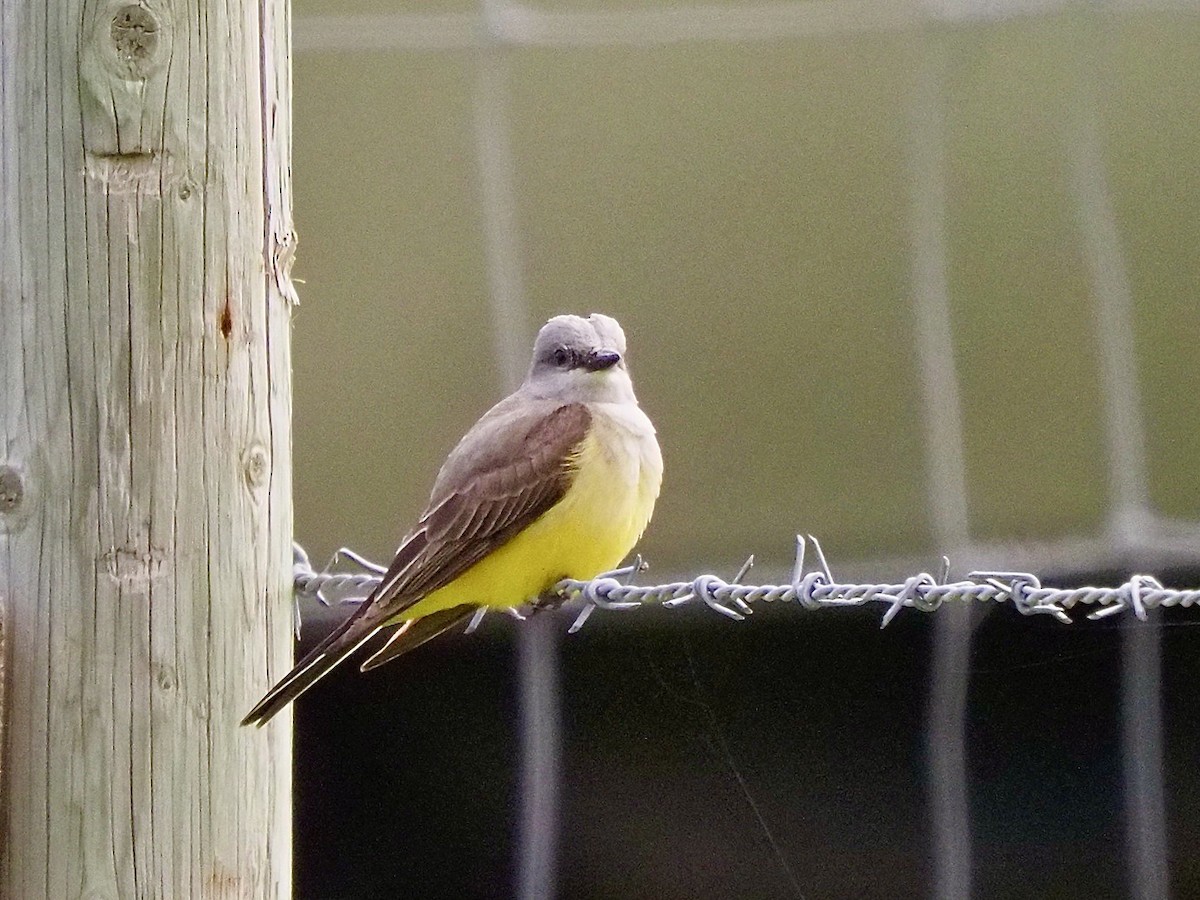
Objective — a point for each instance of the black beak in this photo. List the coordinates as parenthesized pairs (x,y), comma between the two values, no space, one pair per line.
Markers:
(598,360)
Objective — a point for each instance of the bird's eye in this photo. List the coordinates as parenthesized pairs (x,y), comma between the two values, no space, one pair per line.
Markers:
(562,357)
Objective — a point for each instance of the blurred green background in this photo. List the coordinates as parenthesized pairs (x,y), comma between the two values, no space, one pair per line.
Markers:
(746,211)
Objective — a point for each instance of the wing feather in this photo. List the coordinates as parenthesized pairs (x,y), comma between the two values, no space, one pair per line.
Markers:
(487,506)
(515,464)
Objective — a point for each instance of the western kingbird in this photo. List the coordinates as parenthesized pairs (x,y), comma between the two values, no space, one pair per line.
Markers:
(557,480)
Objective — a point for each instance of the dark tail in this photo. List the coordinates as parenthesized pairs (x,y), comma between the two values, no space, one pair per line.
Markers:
(415,632)
(339,644)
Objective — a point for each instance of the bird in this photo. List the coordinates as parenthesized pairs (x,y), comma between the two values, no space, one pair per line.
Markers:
(557,480)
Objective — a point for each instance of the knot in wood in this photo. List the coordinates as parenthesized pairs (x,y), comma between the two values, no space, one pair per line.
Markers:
(135,34)
(256,466)
(12,489)
(164,677)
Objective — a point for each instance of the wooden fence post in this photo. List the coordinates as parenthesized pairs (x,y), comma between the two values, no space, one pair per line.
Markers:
(145,446)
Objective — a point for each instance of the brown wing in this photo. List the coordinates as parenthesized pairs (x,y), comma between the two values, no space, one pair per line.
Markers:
(524,472)
(515,464)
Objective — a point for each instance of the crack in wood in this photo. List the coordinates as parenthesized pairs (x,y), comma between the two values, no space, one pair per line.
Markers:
(153,173)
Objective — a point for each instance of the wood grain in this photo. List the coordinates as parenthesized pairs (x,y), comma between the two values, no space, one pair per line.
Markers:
(145,406)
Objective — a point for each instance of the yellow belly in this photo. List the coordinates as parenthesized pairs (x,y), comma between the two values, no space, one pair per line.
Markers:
(589,531)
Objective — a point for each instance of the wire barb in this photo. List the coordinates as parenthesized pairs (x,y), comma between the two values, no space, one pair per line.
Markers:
(813,590)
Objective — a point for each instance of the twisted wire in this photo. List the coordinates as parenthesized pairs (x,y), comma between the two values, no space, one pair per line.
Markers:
(812,590)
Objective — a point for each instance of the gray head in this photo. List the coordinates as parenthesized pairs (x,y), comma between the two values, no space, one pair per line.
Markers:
(580,359)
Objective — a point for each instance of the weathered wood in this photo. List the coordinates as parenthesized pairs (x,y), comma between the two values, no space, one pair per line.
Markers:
(145,405)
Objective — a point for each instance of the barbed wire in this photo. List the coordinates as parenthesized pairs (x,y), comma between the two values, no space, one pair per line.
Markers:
(816,589)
